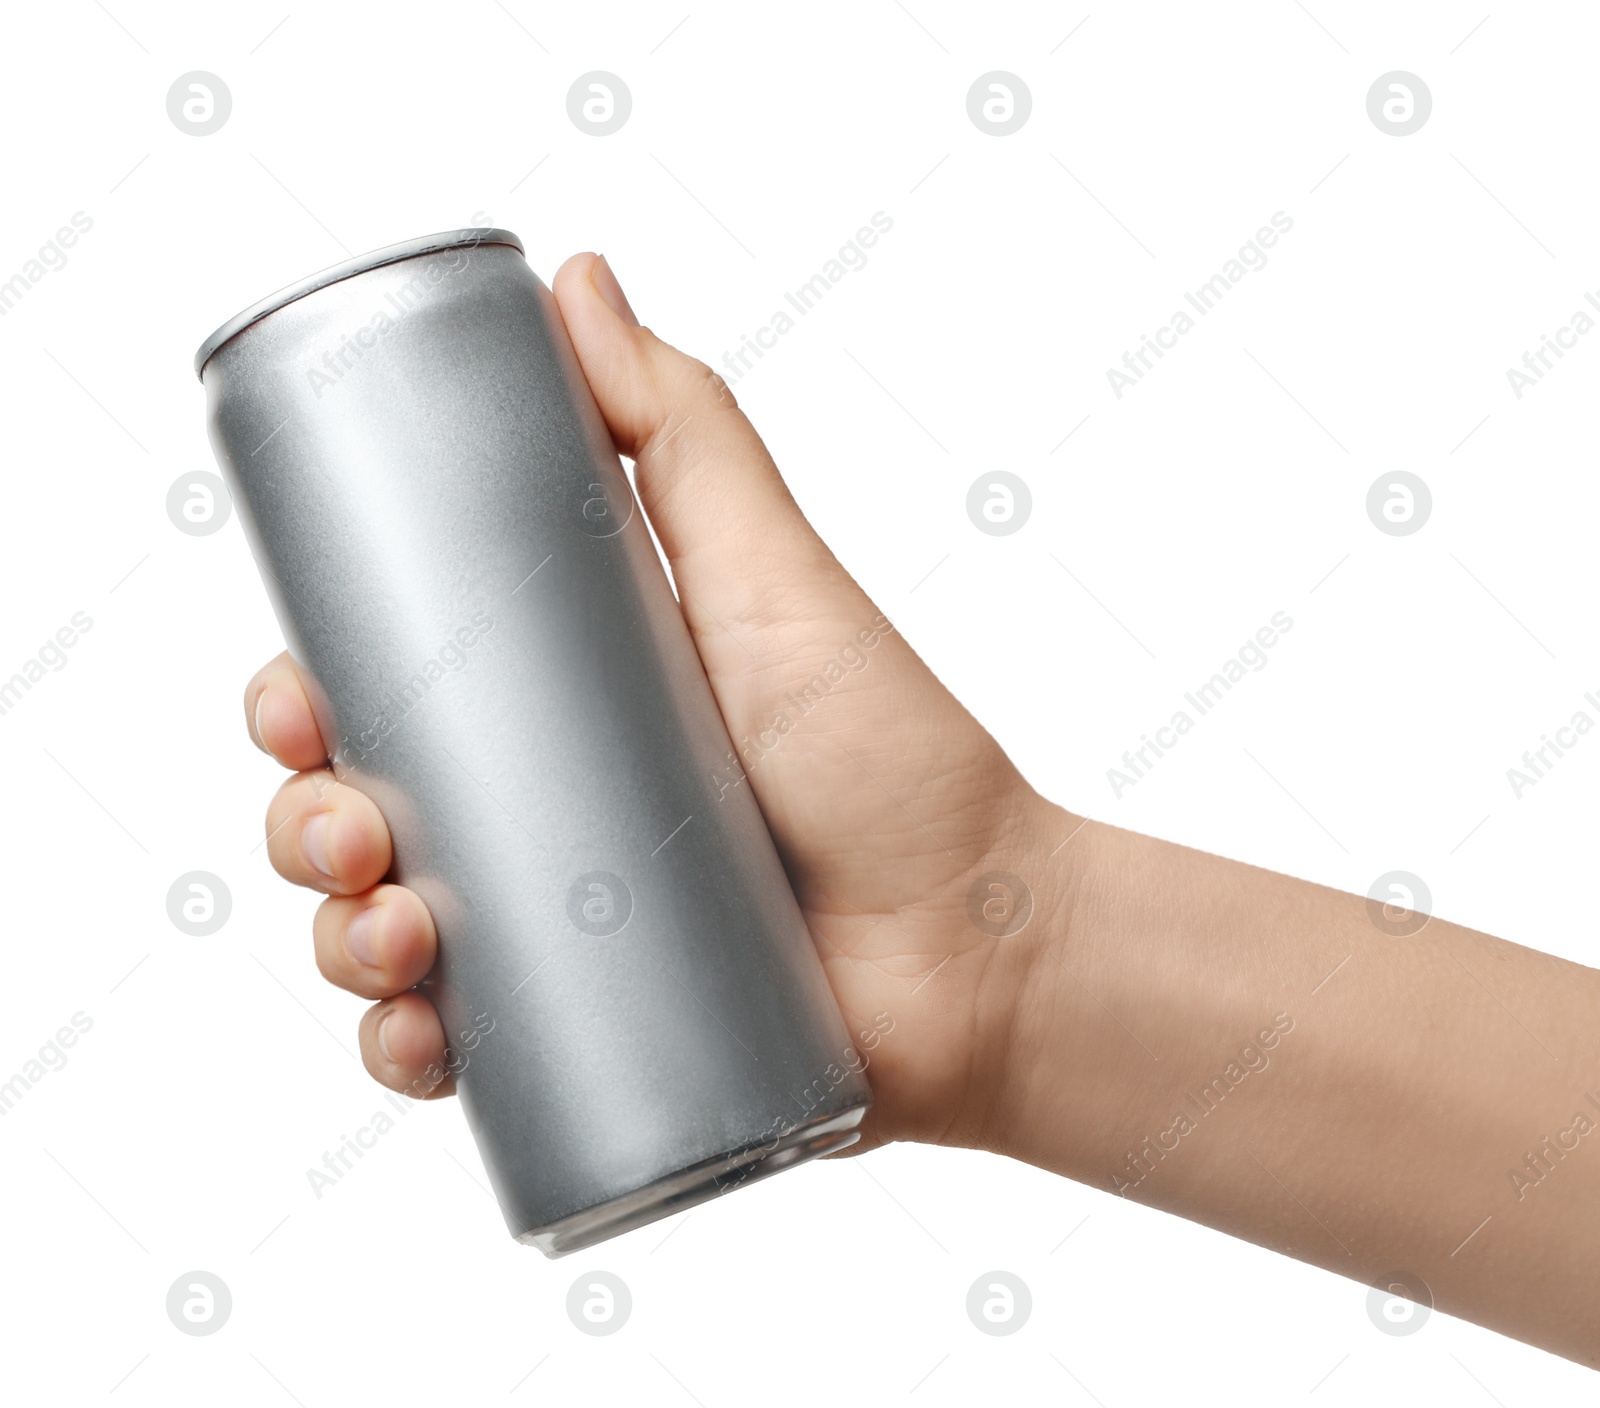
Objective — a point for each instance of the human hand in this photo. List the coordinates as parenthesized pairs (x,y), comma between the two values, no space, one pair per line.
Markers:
(1399,1076)
(886,799)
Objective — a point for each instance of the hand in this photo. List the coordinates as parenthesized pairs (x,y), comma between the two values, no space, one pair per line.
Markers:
(1388,1083)
(887,800)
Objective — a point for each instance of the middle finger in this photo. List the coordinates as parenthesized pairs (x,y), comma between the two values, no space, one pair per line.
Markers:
(327,836)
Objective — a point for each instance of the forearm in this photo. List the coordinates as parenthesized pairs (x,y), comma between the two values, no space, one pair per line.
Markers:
(1253,1052)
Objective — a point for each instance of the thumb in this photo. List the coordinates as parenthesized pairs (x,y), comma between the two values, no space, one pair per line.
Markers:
(742,553)
(777,620)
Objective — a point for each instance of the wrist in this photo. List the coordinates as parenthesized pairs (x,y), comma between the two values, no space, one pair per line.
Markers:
(1032,896)
(1071,1049)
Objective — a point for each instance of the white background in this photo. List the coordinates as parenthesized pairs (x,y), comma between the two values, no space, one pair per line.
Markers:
(1228,485)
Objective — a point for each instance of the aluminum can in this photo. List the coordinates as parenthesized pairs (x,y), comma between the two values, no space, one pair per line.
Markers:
(636,1016)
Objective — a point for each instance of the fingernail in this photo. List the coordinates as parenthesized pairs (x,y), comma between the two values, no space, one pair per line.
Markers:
(383,1036)
(606,285)
(260,738)
(358,937)
(314,842)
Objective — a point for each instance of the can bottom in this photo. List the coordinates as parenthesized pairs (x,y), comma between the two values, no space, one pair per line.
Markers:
(698,1183)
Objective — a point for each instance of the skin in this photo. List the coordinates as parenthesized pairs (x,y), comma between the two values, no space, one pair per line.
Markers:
(1380,1094)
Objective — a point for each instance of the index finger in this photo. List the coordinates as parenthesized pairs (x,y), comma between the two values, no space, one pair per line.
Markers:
(279,716)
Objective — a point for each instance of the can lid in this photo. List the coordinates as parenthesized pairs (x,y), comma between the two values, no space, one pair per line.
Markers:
(389,254)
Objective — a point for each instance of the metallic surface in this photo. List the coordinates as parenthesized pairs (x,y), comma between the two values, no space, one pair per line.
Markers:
(389,254)
(457,560)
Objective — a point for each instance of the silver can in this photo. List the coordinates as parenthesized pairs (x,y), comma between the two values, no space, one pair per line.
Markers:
(636,1015)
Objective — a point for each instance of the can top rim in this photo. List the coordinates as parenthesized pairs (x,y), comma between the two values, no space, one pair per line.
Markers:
(389,254)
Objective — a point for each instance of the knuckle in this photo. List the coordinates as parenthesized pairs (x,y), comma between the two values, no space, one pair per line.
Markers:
(711,388)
